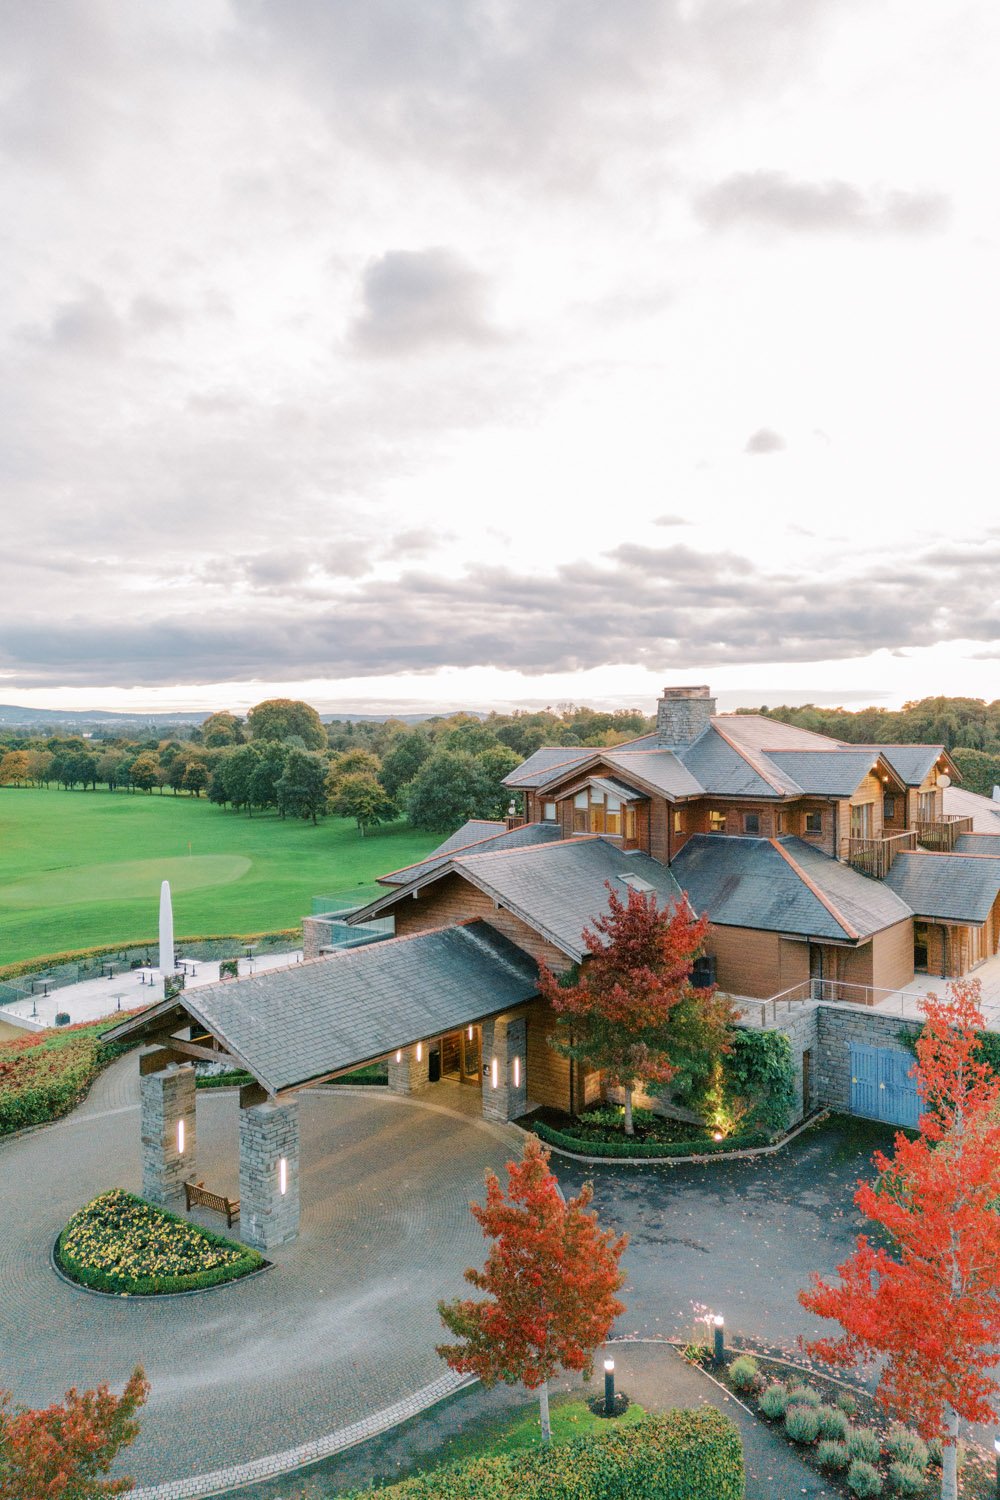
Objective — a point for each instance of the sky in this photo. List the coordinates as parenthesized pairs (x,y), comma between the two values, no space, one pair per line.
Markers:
(489,352)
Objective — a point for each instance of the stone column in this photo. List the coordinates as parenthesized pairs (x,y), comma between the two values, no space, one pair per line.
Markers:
(505,1044)
(408,1076)
(269,1137)
(169,1134)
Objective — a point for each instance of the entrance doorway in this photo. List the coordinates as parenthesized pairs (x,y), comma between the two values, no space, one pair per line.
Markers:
(920,947)
(461,1055)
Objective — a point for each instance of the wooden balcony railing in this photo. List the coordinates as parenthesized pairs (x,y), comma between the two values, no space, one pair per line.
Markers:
(942,834)
(875,856)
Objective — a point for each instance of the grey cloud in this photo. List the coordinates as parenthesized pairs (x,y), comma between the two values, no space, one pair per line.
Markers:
(671,521)
(86,325)
(659,607)
(414,543)
(774,200)
(415,299)
(765,440)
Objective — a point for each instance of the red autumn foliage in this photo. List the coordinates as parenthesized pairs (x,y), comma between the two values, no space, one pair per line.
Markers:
(928,1306)
(61,1451)
(633,1014)
(550,1277)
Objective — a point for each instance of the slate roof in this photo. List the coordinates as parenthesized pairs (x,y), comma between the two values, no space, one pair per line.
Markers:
(825,773)
(984,812)
(979,843)
(659,768)
(946,887)
(499,837)
(720,768)
(557,889)
(782,885)
(911,763)
(290,1026)
(547,761)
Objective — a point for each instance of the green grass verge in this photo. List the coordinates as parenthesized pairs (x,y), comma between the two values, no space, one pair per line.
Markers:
(681,1455)
(626,1149)
(87,866)
(514,1432)
(123,1245)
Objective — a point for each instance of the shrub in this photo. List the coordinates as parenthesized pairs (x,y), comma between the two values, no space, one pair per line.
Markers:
(846,1403)
(832,1423)
(802,1424)
(863,1443)
(774,1401)
(804,1395)
(862,1479)
(42,1076)
(62,1017)
(906,1479)
(760,1078)
(908,1447)
(833,1456)
(682,1455)
(935,1451)
(743,1372)
(229,968)
(639,1149)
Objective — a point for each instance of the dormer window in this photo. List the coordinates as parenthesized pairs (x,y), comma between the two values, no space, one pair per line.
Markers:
(598,810)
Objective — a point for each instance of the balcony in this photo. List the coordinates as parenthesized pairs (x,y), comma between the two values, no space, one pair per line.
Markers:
(874,857)
(942,834)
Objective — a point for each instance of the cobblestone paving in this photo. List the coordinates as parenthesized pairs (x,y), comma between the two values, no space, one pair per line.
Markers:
(343,1327)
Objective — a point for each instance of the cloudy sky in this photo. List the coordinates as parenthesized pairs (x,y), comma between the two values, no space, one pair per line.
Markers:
(490,351)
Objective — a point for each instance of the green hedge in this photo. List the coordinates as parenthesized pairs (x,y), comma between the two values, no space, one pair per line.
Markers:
(43,961)
(634,1149)
(682,1455)
(238,1079)
(43,1075)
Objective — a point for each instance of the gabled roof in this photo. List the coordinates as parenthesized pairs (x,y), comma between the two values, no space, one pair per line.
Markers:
(722,768)
(984,812)
(759,732)
(557,889)
(946,887)
(979,843)
(826,773)
(294,1026)
(782,885)
(499,837)
(659,769)
(540,766)
(912,763)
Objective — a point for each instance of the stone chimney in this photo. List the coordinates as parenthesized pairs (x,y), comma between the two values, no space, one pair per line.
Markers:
(681,715)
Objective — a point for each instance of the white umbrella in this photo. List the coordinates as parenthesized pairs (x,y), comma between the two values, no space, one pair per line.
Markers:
(166,930)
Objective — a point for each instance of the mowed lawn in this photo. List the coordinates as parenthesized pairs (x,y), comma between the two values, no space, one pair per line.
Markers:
(82,868)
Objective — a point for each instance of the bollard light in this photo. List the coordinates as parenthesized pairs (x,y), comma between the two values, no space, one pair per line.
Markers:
(283,1176)
(609,1387)
(180,1137)
(719,1326)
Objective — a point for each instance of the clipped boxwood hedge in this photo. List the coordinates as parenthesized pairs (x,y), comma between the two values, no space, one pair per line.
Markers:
(627,1148)
(123,1245)
(681,1455)
(43,1075)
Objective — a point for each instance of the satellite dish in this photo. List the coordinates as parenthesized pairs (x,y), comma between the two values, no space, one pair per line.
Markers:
(944,780)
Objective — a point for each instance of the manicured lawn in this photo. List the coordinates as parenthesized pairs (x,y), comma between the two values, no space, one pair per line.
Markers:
(512,1432)
(82,868)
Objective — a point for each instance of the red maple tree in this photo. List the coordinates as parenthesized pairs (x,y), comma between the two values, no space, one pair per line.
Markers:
(61,1451)
(928,1306)
(633,1013)
(551,1276)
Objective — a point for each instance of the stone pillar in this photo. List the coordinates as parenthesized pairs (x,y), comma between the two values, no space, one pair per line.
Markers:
(505,1044)
(269,1136)
(408,1076)
(168,1103)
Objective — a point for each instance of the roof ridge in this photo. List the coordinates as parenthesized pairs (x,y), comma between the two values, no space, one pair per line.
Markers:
(576,838)
(955,853)
(820,895)
(742,753)
(436,854)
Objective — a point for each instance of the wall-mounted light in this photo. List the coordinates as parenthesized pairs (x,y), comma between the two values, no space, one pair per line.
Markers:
(470,1033)
(399,1055)
(495,1073)
(282,1175)
(517,1072)
(420,1052)
(180,1137)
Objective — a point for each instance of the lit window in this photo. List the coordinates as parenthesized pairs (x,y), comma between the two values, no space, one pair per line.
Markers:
(549,812)
(814,822)
(716,821)
(751,822)
(678,820)
(631,823)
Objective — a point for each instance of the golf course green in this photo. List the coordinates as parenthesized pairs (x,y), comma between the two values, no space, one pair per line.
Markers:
(82,868)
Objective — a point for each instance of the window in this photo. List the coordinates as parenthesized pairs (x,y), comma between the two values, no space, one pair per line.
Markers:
(925,806)
(595,811)
(631,823)
(751,822)
(779,822)
(678,820)
(549,812)
(716,821)
(888,807)
(862,820)
(814,822)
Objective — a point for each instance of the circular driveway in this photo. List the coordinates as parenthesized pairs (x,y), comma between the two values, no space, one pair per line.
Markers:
(344,1325)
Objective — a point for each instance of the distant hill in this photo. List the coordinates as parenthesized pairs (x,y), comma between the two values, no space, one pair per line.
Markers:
(19,716)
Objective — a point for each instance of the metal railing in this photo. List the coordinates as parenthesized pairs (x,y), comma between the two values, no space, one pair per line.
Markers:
(782,1005)
(942,834)
(874,857)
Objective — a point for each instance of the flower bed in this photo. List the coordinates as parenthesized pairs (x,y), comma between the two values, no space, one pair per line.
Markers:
(844,1434)
(600,1132)
(123,1245)
(42,1076)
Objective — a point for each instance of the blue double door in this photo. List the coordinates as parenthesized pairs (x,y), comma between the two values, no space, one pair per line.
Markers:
(882,1087)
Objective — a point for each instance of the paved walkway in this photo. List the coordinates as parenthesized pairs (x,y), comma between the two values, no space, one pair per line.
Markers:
(344,1325)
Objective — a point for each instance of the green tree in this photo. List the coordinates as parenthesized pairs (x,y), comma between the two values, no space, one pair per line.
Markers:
(448,789)
(266,775)
(280,718)
(350,763)
(495,763)
(144,771)
(403,758)
(359,796)
(221,729)
(107,768)
(196,777)
(302,785)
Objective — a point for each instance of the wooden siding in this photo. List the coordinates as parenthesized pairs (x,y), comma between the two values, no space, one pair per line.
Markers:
(453,900)
(548,1073)
(892,950)
(747,962)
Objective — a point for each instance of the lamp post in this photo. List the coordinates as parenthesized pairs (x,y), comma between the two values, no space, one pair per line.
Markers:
(609,1387)
(719,1327)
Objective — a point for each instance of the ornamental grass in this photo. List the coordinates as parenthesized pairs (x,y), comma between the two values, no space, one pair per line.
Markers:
(123,1245)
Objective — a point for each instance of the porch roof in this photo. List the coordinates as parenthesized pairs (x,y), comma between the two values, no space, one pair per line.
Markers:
(299,1025)
(946,887)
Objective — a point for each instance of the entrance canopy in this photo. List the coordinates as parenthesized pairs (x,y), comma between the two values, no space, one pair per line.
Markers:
(300,1025)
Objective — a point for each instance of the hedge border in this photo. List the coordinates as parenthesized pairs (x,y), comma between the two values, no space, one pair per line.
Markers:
(652,1152)
(195,1281)
(41,961)
(194,1291)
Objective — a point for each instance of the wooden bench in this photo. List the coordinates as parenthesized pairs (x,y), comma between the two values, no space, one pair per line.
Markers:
(196,1192)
